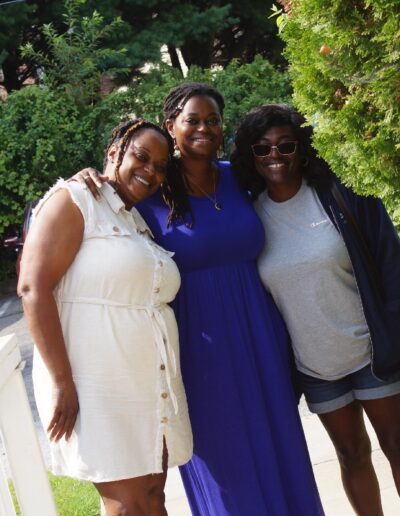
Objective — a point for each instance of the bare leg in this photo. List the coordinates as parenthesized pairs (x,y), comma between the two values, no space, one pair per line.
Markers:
(139,496)
(347,431)
(384,415)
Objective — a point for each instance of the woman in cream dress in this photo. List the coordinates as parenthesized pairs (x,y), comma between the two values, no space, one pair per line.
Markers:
(95,289)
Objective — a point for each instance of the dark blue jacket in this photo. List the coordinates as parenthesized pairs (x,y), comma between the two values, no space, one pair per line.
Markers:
(380,298)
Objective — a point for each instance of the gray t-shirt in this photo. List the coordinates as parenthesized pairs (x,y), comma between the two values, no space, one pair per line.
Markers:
(306,268)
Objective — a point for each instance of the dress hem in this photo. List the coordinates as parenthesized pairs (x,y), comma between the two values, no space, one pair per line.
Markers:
(116,478)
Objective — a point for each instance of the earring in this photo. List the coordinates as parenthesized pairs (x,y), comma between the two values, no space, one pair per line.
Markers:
(177,152)
(221,151)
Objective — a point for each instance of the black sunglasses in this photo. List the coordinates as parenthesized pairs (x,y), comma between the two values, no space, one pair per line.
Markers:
(261,150)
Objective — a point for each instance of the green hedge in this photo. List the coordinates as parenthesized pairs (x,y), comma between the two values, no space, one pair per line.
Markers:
(345,66)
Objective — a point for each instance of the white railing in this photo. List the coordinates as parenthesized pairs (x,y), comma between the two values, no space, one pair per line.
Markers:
(19,438)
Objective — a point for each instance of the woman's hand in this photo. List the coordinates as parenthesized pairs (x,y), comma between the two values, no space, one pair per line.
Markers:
(90,178)
(66,407)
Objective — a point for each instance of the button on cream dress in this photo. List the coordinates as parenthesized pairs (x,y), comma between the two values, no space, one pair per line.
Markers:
(122,342)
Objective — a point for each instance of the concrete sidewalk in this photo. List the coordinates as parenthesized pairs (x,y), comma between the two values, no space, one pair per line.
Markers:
(326,471)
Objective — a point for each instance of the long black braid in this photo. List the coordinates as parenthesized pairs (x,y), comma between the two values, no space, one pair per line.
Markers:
(173,189)
(122,134)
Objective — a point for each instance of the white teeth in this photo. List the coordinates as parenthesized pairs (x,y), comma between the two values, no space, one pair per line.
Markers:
(276,165)
(141,180)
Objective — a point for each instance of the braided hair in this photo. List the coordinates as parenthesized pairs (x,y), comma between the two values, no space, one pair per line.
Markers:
(122,134)
(173,189)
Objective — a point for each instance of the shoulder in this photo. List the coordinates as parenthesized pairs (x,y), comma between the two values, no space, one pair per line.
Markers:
(358,200)
(57,214)
(326,186)
(76,195)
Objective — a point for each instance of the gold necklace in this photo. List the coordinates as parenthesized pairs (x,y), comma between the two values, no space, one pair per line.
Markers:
(213,199)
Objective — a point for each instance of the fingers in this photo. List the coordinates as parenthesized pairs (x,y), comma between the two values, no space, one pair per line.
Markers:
(69,428)
(62,425)
(92,181)
(80,177)
(98,179)
(56,427)
(66,407)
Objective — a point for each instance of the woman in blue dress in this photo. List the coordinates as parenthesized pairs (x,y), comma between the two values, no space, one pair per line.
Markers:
(250,455)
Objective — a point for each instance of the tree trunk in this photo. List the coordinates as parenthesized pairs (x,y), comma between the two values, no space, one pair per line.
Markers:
(173,54)
(199,53)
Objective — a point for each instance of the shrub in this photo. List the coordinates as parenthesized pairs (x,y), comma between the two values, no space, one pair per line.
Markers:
(38,135)
(345,65)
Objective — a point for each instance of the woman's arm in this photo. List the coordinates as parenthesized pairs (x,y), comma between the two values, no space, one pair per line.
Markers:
(50,248)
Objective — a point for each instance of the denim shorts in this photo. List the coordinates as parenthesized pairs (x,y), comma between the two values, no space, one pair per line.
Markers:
(324,396)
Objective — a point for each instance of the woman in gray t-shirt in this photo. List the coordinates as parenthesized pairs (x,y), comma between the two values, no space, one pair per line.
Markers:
(344,337)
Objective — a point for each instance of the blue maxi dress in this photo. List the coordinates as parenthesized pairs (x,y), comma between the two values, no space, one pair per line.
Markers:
(250,456)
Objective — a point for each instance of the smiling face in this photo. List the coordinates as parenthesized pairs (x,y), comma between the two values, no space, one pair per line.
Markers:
(143,167)
(281,172)
(198,128)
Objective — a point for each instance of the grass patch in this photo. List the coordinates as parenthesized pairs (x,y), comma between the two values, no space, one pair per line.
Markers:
(72,497)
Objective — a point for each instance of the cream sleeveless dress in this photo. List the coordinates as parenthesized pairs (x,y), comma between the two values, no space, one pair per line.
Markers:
(122,342)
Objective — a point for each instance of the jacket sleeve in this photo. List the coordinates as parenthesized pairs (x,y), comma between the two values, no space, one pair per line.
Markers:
(382,240)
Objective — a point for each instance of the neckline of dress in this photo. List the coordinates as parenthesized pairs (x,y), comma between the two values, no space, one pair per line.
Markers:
(217,187)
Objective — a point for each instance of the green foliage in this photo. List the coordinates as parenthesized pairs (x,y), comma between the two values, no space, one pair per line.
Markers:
(345,64)
(38,131)
(13,16)
(243,86)
(75,60)
(248,85)
(206,32)
(72,497)
(280,17)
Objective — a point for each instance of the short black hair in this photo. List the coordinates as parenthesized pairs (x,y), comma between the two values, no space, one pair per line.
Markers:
(253,126)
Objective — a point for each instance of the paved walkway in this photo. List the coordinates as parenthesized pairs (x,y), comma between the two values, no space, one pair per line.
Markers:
(326,471)
(321,450)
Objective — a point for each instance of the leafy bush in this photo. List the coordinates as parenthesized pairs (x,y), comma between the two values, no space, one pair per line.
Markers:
(38,135)
(249,85)
(74,60)
(345,65)
(45,136)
